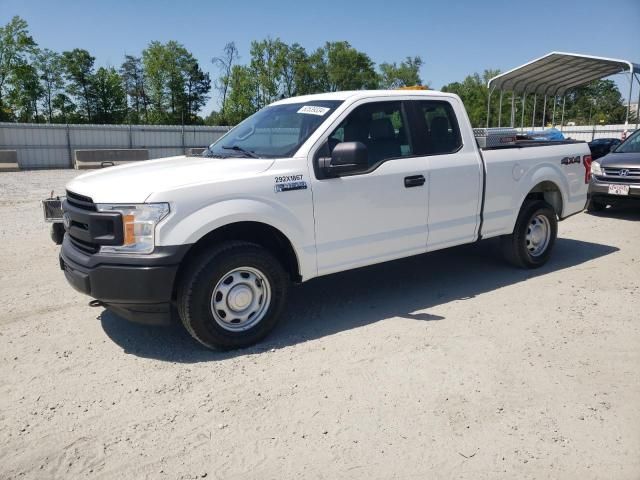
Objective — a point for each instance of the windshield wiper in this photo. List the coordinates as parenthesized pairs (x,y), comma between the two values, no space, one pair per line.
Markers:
(208,153)
(238,148)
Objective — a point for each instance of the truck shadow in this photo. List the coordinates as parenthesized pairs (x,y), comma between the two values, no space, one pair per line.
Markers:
(620,212)
(407,288)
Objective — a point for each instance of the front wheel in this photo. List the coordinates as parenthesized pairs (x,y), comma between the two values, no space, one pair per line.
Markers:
(530,244)
(232,296)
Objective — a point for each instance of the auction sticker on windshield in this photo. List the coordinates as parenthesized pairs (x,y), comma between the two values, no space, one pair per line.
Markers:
(312,110)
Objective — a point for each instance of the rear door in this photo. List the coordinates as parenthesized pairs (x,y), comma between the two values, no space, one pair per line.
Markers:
(455,171)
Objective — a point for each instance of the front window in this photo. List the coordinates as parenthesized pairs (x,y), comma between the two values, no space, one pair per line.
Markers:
(630,145)
(276,131)
(380,126)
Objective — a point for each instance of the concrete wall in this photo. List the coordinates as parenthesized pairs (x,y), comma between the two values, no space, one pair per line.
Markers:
(84,159)
(52,146)
(8,160)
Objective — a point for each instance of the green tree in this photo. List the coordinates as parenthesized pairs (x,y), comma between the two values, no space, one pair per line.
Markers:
(473,92)
(267,64)
(406,74)
(197,87)
(26,93)
(65,108)
(132,74)
(16,45)
(598,102)
(51,72)
(78,64)
(225,64)
(345,68)
(297,74)
(177,86)
(242,100)
(110,96)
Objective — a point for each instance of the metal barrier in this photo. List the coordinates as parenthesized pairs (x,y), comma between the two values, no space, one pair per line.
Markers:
(588,132)
(53,145)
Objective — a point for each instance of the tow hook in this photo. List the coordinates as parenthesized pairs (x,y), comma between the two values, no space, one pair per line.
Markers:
(96,303)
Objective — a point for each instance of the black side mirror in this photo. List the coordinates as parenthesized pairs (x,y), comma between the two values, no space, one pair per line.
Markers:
(346,157)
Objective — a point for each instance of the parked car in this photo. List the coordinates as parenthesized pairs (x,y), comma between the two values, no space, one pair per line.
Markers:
(601,146)
(615,178)
(306,187)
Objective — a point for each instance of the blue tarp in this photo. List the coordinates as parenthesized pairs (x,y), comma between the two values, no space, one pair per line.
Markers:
(550,134)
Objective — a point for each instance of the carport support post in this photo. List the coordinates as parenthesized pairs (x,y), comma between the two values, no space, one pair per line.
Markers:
(524,97)
(564,98)
(626,122)
(544,111)
(638,104)
(489,106)
(513,109)
(500,110)
(553,117)
(533,117)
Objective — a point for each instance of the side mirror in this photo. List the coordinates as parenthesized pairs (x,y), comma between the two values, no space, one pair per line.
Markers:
(346,157)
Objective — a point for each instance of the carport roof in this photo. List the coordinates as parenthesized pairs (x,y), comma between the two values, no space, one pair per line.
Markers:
(557,72)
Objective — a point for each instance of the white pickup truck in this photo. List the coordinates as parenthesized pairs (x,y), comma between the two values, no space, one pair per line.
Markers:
(306,187)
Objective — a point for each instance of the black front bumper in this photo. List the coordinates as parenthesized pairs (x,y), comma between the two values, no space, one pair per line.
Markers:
(138,288)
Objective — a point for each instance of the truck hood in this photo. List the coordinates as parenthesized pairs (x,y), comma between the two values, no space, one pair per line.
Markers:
(134,182)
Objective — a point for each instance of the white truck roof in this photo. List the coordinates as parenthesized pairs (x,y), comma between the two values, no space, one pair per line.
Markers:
(357,94)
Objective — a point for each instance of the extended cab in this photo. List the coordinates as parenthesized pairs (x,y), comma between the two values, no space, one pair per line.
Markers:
(306,187)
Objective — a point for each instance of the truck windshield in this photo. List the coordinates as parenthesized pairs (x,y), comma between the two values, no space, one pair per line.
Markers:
(630,145)
(274,132)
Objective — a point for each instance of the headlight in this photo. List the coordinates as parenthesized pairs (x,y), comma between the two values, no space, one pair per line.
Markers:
(595,168)
(138,225)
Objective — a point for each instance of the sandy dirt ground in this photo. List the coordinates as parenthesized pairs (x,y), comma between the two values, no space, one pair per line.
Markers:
(448,365)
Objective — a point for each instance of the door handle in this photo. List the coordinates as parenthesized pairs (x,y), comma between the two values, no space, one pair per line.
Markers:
(414,181)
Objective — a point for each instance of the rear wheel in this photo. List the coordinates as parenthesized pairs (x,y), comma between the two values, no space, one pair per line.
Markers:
(232,296)
(535,232)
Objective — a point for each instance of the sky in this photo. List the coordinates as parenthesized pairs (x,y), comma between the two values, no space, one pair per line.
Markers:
(454,38)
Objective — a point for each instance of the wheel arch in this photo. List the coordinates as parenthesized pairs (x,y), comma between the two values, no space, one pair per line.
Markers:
(260,233)
(548,191)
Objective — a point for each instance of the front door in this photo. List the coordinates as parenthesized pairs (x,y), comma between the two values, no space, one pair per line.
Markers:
(380,212)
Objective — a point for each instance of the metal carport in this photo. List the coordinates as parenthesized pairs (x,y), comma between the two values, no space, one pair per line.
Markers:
(554,74)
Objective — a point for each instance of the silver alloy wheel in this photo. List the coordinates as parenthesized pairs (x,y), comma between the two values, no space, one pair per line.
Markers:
(538,235)
(241,299)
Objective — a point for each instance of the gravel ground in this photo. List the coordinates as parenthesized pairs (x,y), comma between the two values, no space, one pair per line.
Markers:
(448,365)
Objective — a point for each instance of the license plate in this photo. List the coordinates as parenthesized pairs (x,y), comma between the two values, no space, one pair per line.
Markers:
(618,189)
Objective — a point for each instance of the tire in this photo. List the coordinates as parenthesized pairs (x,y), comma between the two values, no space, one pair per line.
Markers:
(595,205)
(530,244)
(232,296)
(57,233)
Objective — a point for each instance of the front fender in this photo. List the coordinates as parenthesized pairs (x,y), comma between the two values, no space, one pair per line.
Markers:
(190,228)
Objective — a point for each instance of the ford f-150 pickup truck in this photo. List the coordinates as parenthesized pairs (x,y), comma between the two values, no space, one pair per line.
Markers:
(305,187)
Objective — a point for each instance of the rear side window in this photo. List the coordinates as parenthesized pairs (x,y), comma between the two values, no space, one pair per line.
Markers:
(441,134)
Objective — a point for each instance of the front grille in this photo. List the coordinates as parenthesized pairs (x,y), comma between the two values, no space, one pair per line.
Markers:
(80,201)
(86,247)
(614,175)
(87,228)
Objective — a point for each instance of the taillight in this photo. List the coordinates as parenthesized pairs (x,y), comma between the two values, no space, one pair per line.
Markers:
(586,161)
